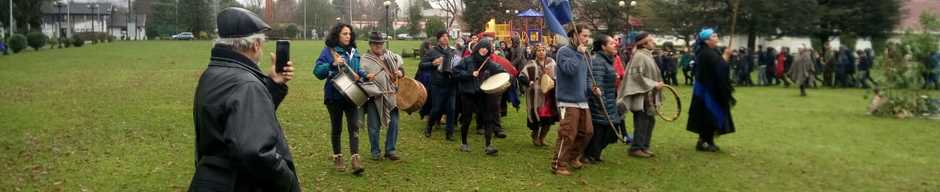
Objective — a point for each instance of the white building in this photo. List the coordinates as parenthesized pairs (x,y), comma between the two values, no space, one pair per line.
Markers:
(69,19)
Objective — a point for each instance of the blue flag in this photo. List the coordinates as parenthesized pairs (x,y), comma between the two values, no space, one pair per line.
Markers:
(556,13)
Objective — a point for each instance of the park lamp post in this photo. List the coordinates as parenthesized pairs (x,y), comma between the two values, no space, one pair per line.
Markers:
(58,20)
(628,26)
(95,10)
(388,21)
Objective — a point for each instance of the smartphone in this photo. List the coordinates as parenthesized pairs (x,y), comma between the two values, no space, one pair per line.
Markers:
(282,54)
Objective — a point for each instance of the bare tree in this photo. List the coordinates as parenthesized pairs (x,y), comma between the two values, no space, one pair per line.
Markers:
(452,7)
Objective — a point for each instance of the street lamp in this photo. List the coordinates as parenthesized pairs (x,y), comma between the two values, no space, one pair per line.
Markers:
(58,20)
(388,21)
(627,16)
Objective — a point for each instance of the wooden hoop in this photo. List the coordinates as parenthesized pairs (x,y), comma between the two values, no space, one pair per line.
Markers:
(670,117)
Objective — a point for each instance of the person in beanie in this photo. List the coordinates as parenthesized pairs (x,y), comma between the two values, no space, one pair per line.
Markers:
(710,111)
(572,90)
(240,145)
(469,74)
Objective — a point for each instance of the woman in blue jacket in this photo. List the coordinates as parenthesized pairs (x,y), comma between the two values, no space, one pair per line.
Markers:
(340,51)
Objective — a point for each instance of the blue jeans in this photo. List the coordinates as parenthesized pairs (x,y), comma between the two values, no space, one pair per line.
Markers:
(391,137)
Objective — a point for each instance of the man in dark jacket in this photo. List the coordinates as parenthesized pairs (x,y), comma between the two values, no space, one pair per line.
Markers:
(443,88)
(239,143)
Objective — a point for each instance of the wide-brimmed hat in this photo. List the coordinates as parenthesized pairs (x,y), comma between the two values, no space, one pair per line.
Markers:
(376,37)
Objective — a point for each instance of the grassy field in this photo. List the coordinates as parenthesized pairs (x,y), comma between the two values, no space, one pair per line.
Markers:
(118,117)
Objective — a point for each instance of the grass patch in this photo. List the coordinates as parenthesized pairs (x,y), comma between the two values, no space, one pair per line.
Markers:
(118,117)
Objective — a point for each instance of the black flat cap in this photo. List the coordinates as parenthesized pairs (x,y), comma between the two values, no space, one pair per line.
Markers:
(234,22)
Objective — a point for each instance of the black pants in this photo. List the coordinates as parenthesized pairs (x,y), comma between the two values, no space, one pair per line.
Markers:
(603,136)
(865,77)
(643,124)
(688,76)
(443,101)
(337,110)
(482,105)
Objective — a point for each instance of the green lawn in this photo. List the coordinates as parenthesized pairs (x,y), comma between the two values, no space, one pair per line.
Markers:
(118,117)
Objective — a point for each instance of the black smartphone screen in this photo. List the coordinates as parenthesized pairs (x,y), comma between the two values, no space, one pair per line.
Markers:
(283,55)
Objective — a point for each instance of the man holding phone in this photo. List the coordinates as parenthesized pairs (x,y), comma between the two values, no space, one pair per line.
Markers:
(240,145)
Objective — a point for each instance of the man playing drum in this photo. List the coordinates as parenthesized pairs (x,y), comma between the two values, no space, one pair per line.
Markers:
(383,68)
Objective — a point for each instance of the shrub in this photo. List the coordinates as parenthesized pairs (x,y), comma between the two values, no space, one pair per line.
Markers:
(37,40)
(17,43)
(53,43)
(77,41)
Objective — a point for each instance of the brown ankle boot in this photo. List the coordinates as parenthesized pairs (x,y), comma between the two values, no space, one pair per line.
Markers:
(338,162)
(542,136)
(356,166)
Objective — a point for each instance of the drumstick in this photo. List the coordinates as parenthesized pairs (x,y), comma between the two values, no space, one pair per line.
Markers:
(336,55)
(482,64)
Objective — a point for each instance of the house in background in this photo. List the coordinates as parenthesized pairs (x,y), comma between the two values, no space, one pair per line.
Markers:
(69,19)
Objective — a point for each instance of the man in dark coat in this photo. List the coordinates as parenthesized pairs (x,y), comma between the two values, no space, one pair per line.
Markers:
(443,88)
(240,145)
(710,112)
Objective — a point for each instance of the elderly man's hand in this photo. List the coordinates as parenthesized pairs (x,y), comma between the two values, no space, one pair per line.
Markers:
(282,77)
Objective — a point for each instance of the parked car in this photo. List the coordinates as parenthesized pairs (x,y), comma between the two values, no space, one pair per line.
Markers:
(184,36)
(405,37)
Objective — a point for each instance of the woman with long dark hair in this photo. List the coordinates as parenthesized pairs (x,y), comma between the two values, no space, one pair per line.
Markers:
(604,114)
(340,56)
(710,112)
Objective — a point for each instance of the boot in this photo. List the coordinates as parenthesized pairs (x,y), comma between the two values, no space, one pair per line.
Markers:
(542,136)
(356,166)
(338,162)
(563,171)
(576,163)
(489,150)
(427,131)
(535,137)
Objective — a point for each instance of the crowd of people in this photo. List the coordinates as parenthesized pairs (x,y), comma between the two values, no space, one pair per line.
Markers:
(587,86)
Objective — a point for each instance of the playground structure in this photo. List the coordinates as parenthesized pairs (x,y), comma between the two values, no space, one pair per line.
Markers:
(526,25)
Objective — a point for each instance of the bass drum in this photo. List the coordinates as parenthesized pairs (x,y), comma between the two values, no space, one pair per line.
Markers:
(411,95)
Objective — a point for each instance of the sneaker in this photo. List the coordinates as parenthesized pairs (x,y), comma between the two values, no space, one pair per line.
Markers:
(648,152)
(701,146)
(576,164)
(561,171)
(464,147)
(450,137)
(427,132)
(639,153)
(392,157)
(500,135)
(376,157)
(490,151)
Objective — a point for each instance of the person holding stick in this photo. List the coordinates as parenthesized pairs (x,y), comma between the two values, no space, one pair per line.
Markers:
(469,74)
(573,89)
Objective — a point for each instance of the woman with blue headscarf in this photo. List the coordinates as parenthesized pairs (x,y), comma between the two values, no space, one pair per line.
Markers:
(710,112)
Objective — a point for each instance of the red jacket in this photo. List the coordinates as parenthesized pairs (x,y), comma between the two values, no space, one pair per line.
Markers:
(781,61)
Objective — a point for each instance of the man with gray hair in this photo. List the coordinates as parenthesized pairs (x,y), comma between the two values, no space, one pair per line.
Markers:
(239,143)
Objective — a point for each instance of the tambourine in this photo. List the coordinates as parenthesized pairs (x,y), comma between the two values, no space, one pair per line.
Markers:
(669,115)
